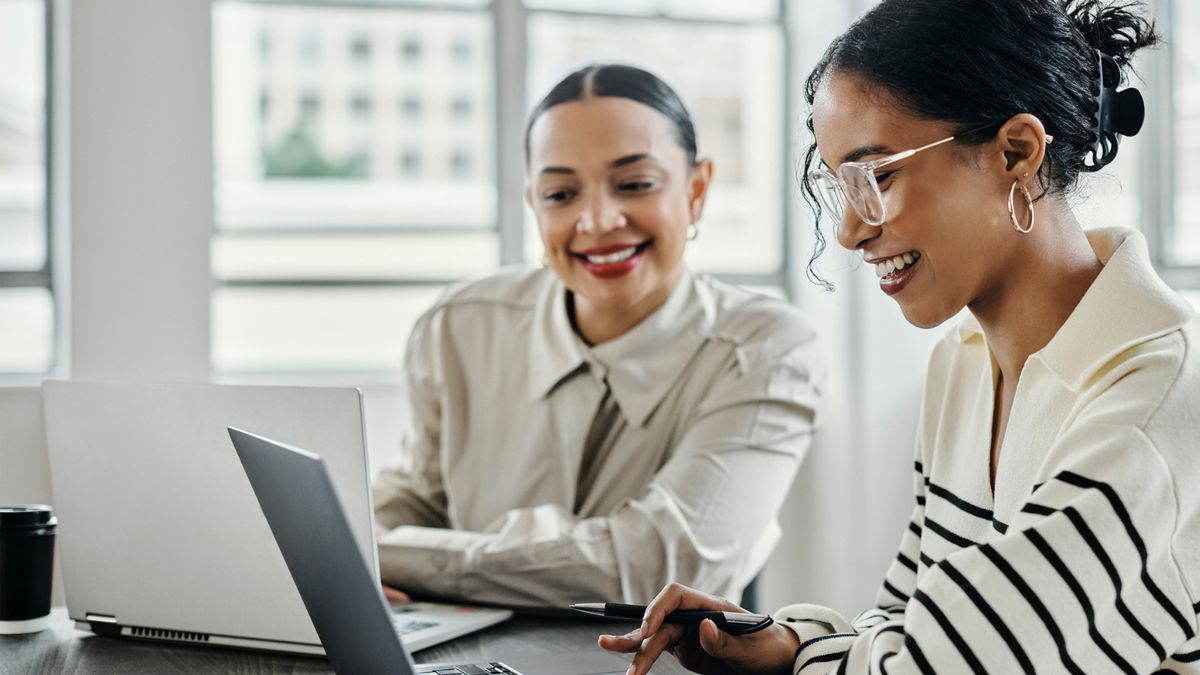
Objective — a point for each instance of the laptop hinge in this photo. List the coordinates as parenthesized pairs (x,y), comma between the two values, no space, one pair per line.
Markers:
(103,624)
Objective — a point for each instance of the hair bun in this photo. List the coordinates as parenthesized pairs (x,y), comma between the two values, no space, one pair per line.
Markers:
(1118,28)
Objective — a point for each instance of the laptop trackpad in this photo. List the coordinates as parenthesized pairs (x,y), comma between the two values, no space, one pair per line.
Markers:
(575,663)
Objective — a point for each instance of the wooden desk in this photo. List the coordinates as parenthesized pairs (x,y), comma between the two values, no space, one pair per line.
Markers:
(62,649)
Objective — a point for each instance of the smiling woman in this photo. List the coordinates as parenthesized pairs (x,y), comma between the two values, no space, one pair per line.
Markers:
(593,429)
(1052,527)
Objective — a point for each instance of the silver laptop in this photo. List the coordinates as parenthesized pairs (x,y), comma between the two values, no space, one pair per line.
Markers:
(160,535)
(335,580)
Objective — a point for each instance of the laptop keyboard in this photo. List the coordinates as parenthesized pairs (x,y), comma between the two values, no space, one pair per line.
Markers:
(481,669)
(405,627)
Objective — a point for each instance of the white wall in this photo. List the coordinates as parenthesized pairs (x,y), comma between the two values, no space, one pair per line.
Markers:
(139,152)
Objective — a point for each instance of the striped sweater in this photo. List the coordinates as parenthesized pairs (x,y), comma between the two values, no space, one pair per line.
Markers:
(1086,556)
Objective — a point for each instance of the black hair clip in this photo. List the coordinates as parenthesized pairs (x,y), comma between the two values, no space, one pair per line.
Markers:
(1118,113)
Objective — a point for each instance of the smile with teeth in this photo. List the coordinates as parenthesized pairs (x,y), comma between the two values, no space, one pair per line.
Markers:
(899,262)
(616,256)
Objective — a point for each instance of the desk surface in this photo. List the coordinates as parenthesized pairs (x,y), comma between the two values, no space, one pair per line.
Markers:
(62,649)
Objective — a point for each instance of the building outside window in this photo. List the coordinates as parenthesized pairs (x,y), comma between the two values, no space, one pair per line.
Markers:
(460,107)
(410,106)
(310,241)
(360,105)
(360,49)
(410,48)
(27,292)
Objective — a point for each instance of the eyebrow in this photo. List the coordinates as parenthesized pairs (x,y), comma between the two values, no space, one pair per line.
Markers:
(615,164)
(857,154)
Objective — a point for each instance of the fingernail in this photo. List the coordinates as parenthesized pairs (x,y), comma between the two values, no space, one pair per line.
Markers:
(630,671)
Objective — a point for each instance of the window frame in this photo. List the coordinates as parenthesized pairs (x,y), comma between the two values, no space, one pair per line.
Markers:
(1158,163)
(510,52)
(44,277)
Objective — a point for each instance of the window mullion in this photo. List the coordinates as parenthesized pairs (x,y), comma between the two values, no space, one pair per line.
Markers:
(509,25)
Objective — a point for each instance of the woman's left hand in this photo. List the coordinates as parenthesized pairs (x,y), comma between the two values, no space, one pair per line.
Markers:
(704,648)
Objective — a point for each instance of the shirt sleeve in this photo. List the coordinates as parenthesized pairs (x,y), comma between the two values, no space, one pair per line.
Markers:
(1084,580)
(412,492)
(697,522)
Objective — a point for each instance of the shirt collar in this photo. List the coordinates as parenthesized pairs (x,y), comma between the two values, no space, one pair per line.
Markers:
(554,351)
(1126,305)
(644,363)
(641,365)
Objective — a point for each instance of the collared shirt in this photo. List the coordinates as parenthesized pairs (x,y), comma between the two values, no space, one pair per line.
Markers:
(715,396)
(1086,557)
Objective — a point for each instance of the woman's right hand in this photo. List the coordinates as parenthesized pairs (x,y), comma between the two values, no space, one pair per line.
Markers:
(704,648)
(395,596)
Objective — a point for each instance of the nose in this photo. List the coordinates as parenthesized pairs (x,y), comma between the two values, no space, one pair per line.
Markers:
(852,232)
(601,214)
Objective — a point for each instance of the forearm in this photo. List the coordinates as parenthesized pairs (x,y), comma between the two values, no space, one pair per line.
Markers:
(519,565)
(544,556)
(399,500)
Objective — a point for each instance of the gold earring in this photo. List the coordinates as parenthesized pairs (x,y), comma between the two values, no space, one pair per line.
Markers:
(1012,211)
(692,232)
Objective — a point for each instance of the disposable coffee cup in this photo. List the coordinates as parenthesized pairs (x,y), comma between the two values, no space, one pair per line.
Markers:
(26,567)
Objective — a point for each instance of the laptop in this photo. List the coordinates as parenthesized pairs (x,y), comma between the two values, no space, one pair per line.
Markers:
(161,537)
(343,596)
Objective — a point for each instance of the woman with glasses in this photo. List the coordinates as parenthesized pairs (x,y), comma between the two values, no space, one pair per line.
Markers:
(1056,523)
(611,421)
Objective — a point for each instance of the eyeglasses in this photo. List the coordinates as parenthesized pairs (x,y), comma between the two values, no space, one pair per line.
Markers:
(855,183)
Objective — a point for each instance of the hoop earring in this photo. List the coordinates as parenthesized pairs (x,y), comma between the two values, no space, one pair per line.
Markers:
(1012,211)
(692,232)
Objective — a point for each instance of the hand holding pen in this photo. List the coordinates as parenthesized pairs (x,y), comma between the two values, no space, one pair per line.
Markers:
(703,647)
(734,623)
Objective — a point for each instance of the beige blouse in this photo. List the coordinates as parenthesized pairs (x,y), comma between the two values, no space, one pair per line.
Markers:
(537,470)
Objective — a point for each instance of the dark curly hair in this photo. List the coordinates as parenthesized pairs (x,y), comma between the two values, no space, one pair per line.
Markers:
(976,63)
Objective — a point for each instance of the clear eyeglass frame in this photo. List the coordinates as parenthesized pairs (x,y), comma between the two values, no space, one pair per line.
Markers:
(855,183)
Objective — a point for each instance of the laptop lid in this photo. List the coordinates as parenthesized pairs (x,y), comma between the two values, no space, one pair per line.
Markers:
(343,597)
(159,532)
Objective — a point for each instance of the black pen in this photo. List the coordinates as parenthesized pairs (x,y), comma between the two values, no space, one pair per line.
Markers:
(734,623)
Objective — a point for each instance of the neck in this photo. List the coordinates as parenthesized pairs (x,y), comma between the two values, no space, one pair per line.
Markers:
(1043,281)
(597,323)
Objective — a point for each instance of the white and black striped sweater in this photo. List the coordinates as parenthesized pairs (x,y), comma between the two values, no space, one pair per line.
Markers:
(1086,559)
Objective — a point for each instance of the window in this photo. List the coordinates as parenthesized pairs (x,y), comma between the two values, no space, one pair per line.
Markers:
(461,49)
(735,93)
(360,49)
(410,49)
(1185,68)
(460,163)
(460,107)
(410,106)
(324,256)
(1169,204)
(310,47)
(360,105)
(315,238)
(410,162)
(27,331)
(264,46)
(310,104)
